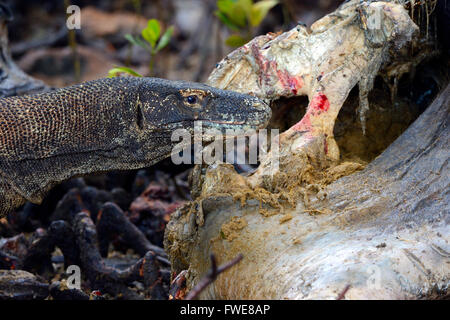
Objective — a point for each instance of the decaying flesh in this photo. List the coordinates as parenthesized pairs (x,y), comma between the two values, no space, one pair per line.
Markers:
(360,231)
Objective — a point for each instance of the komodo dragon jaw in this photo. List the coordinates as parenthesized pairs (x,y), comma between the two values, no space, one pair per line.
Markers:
(103,125)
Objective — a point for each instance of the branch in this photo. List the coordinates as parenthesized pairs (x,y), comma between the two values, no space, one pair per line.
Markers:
(212,275)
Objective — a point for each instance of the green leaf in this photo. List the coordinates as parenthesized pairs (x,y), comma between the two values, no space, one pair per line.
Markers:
(246,6)
(134,40)
(144,44)
(225,6)
(131,39)
(146,34)
(237,16)
(235,41)
(226,21)
(260,11)
(152,32)
(165,39)
(138,41)
(114,72)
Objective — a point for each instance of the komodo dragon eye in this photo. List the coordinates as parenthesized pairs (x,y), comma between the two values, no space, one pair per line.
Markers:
(191,99)
(194,98)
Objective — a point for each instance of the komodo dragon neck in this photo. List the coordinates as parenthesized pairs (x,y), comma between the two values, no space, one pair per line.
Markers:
(103,125)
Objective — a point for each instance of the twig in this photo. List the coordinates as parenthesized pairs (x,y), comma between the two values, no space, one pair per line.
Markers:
(48,41)
(212,275)
(74,46)
(342,294)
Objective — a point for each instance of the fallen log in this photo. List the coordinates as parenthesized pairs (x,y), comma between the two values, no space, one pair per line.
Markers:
(321,227)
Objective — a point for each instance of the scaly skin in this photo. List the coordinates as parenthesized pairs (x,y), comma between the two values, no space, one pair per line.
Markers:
(106,124)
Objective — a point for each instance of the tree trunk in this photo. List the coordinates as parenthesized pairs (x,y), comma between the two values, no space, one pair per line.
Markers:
(13,81)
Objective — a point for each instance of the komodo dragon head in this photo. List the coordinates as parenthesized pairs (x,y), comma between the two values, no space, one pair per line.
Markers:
(170,105)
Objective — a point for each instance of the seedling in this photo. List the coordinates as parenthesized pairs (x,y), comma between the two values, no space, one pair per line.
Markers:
(242,16)
(151,40)
(116,71)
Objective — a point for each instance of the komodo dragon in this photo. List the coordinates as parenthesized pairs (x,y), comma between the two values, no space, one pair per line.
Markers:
(107,124)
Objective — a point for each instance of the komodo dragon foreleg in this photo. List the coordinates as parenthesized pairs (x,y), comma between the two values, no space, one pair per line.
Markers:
(107,124)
